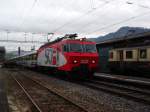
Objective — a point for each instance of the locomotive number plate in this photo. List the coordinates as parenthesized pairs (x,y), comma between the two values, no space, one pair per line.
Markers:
(84,61)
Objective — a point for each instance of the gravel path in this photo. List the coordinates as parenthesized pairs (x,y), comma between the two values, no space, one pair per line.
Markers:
(96,101)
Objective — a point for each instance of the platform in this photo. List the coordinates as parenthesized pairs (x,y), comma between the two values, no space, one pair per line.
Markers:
(131,79)
(3,97)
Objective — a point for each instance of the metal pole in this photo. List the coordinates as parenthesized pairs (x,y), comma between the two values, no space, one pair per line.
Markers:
(47,38)
(32,37)
(25,36)
(7,34)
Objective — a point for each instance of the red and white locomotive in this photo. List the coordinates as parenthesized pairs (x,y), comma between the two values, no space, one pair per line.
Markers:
(68,55)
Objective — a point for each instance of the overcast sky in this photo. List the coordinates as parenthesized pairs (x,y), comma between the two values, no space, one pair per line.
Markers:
(89,18)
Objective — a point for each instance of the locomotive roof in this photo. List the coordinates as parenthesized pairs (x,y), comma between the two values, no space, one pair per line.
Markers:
(49,43)
(71,36)
(53,42)
(67,37)
(26,54)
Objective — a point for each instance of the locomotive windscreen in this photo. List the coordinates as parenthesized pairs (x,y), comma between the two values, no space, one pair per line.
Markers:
(78,47)
(90,48)
(75,47)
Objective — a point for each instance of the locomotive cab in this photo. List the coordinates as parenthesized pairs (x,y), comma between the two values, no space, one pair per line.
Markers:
(81,56)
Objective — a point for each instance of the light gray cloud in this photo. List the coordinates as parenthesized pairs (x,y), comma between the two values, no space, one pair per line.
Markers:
(69,16)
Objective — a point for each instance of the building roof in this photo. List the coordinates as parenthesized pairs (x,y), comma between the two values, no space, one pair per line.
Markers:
(132,36)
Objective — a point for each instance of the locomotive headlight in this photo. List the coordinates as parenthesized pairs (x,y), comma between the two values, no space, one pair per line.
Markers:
(93,61)
(75,61)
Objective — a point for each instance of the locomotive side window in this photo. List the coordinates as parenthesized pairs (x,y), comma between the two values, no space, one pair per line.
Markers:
(129,54)
(143,53)
(65,48)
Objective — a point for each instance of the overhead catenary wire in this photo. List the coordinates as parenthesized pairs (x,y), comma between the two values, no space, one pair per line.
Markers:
(60,13)
(88,24)
(127,2)
(92,14)
(143,6)
(72,21)
(120,22)
(77,18)
(80,17)
(28,12)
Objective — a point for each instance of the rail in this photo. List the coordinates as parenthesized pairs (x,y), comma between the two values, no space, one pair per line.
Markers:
(48,89)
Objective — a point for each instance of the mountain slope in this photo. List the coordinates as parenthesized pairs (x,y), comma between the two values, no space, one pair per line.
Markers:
(123,31)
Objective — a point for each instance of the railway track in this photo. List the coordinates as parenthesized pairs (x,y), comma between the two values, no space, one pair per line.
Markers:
(132,91)
(128,91)
(43,98)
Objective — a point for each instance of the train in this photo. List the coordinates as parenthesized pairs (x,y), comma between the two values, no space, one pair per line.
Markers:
(64,55)
(130,59)
(2,54)
(127,55)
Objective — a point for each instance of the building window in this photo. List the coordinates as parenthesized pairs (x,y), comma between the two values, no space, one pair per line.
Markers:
(129,54)
(143,53)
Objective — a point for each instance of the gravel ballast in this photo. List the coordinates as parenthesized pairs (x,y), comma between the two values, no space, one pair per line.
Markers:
(95,101)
